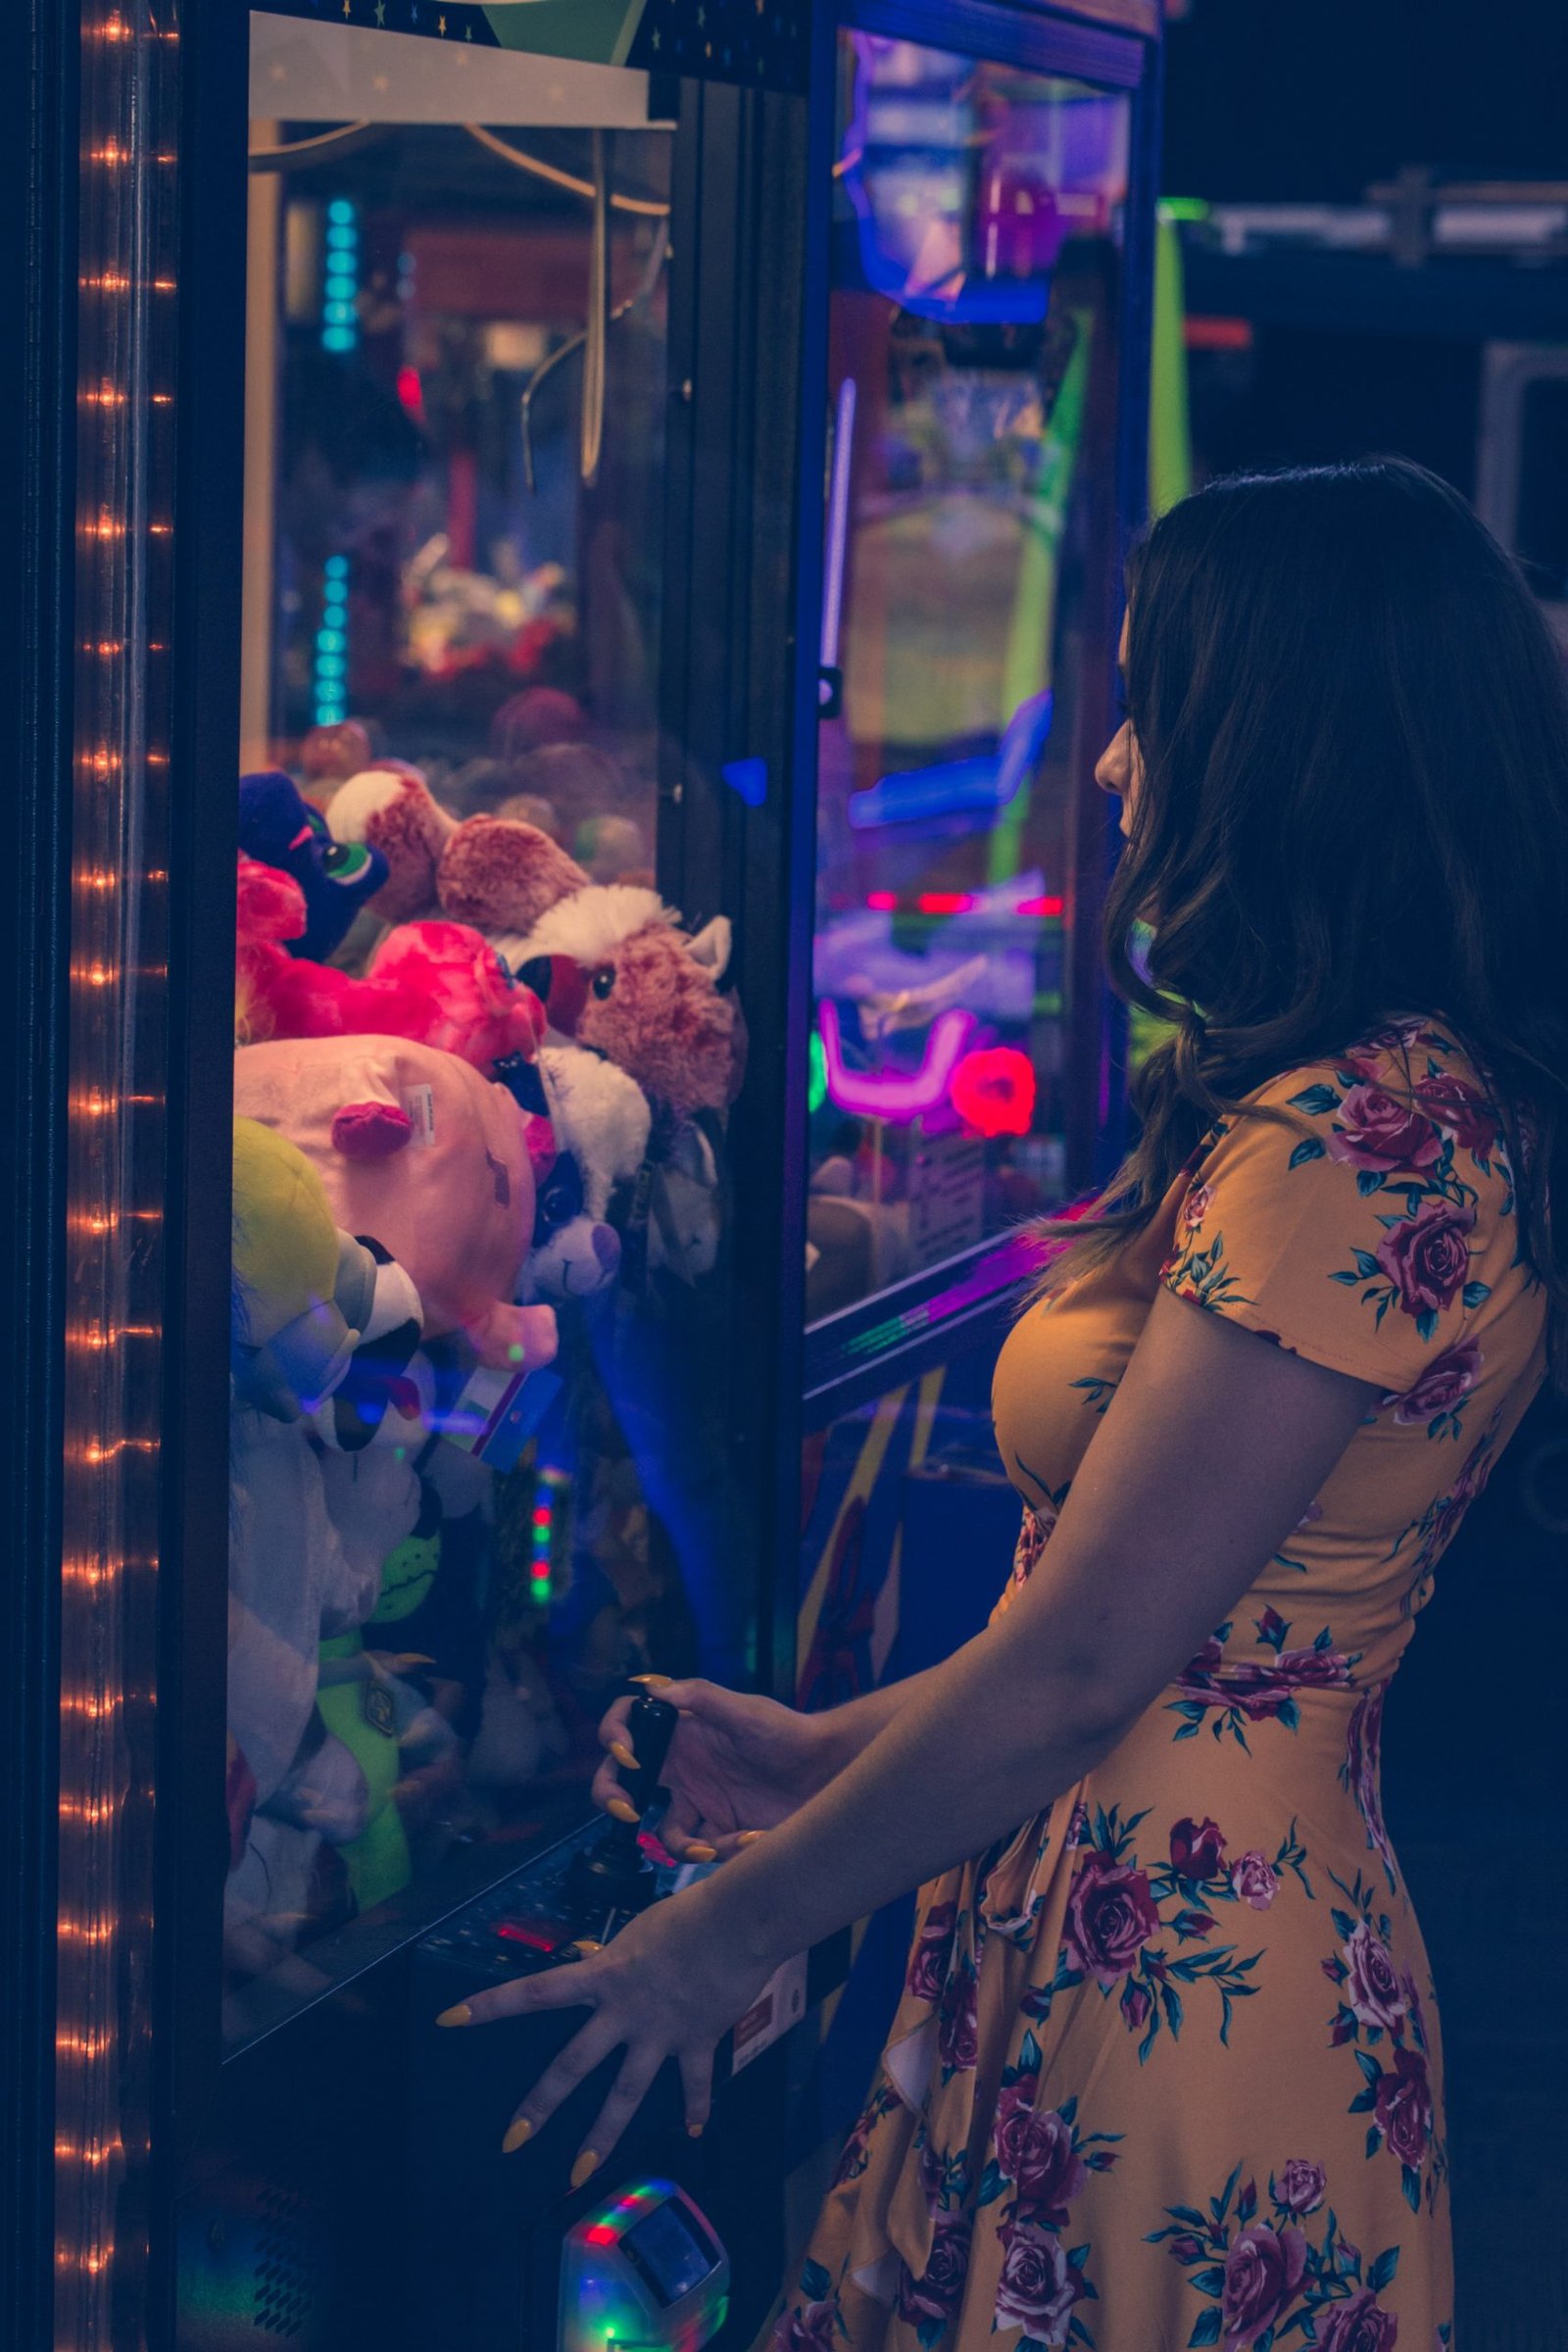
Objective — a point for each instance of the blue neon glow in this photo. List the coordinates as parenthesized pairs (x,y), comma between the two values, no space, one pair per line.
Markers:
(748,777)
(952,787)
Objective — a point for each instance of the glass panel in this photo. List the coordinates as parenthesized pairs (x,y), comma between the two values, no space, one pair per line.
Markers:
(447,1552)
(972,370)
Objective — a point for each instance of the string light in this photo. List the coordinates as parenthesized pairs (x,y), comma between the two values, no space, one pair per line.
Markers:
(115,1161)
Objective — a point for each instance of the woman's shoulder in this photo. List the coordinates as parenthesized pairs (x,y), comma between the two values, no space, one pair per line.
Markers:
(1405,1103)
(1370,1221)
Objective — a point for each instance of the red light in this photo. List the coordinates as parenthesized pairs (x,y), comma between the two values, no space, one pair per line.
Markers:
(994,1090)
(1045,907)
(513,1931)
(1217,334)
(600,2233)
(411,391)
(944,901)
(882,902)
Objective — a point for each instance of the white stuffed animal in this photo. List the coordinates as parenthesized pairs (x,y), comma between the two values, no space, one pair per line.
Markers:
(602,1123)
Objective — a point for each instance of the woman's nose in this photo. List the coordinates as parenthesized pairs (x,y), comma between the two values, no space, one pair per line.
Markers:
(1113,767)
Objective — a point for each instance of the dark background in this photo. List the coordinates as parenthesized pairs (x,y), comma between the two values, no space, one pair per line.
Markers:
(1312,100)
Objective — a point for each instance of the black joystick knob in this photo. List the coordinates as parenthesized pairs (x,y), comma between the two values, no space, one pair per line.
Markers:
(614,1876)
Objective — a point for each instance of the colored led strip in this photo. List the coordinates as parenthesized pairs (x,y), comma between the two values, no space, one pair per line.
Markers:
(340,282)
(331,664)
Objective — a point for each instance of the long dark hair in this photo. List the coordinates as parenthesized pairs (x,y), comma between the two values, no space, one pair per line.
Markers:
(1353,732)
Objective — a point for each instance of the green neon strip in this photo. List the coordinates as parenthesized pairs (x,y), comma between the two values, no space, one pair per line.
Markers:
(1170,441)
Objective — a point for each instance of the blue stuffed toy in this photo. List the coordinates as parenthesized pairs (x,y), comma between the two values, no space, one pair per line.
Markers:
(278,827)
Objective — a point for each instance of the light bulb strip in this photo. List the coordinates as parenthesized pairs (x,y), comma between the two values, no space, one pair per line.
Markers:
(115,1101)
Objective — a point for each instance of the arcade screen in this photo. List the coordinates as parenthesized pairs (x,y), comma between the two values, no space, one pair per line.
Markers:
(977,233)
(480,1216)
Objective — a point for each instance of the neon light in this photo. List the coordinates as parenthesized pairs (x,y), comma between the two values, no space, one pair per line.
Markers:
(340,284)
(601,2233)
(944,901)
(330,666)
(816,1076)
(838,522)
(882,902)
(898,1097)
(994,1092)
(953,786)
(748,777)
(1052,908)
(411,392)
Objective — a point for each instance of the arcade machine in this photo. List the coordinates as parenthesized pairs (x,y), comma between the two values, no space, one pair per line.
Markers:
(659,978)
(990,319)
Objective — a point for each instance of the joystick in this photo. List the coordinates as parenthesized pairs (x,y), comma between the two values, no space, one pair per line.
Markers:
(613,1878)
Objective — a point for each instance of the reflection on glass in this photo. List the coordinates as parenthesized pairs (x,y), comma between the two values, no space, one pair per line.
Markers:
(977,238)
(479,1204)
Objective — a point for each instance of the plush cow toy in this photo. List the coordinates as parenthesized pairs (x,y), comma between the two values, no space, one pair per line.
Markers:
(616,972)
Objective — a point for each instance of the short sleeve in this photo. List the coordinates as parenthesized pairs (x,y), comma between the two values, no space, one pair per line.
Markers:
(1355,1235)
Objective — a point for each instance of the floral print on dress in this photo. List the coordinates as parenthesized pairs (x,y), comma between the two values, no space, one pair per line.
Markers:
(1039,2165)
(1131,1929)
(1380,2019)
(1439,1523)
(1265,2281)
(1227,1694)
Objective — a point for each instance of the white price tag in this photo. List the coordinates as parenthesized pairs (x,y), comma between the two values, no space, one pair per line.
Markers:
(780,2004)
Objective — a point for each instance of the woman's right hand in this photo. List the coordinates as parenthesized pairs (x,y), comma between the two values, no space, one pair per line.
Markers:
(736,1764)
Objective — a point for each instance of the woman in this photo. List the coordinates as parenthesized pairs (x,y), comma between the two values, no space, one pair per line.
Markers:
(1166,2068)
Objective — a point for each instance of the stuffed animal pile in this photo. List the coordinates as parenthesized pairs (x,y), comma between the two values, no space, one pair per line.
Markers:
(477,1091)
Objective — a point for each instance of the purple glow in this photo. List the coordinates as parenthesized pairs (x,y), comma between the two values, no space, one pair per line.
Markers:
(838,522)
(901,1096)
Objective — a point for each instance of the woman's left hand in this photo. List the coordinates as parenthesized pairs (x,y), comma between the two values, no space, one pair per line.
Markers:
(664,1989)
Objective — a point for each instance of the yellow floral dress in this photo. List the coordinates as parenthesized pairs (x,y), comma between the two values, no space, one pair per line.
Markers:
(1166,2068)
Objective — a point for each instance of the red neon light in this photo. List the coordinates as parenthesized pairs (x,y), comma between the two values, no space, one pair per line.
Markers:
(994,1090)
(944,902)
(882,902)
(1217,334)
(600,2233)
(512,1930)
(411,391)
(1047,907)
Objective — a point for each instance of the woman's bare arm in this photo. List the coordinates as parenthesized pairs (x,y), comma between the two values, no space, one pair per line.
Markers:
(1205,1461)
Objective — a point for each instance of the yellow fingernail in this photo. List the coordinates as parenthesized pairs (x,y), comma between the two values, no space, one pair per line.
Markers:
(698,1852)
(622,1754)
(584,2169)
(694,2131)
(459,2015)
(617,1807)
(586,1944)
(653,1681)
(517,2134)
(749,1836)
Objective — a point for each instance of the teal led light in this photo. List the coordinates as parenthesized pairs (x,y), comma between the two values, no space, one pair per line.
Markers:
(340,321)
(329,669)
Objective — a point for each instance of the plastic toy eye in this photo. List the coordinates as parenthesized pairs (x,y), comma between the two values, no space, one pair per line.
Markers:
(344,860)
(603,981)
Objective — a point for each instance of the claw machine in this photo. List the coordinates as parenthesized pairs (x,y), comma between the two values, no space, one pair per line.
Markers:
(407,714)
(990,279)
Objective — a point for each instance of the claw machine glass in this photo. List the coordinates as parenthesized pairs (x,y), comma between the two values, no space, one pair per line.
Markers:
(439,381)
(986,427)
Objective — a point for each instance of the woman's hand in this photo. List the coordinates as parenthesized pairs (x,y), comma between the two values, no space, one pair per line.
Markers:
(666,1989)
(737,1765)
